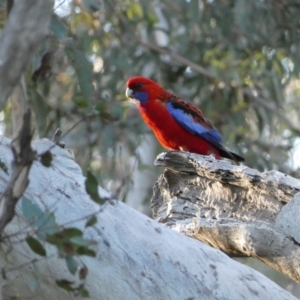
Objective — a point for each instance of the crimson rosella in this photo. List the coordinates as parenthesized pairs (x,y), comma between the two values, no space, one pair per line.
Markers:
(178,125)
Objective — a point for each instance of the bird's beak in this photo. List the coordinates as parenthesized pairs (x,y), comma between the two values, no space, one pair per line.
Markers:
(129,93)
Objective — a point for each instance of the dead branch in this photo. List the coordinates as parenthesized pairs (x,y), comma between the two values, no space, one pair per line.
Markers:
(233,208)
(137,258)
(23,157)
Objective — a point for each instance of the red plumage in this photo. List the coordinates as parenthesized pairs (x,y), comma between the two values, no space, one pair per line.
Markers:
(178,125)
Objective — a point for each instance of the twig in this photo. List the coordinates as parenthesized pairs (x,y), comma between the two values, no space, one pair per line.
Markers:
(181,59)
(270,106)
(56,138)
(57,135)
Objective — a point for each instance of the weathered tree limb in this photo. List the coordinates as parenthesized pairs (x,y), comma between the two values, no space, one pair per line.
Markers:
(137,258)
(18,97)
(23,157)
(232,208)
(26,28)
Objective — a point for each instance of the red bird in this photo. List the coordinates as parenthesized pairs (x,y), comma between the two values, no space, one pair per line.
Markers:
(178,125)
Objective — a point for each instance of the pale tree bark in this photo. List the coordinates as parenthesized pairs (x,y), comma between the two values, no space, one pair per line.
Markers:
(137,258)
(26,27)
(23,157)
(232,208)
(18,97)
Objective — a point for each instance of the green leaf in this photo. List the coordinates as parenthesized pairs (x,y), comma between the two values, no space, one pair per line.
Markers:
(134,11)
(3,273)
(71,232)
(54,239)
(84,71)
(91,187)
(101,105)
(80,101)
(65,284)
(58,27)
(30,210)
(91,222)
(41,110)
(85,251)
(46,159)
(71,264)
(3,167)
(36,246)
(32,283)
(108,117)
(43,221)
(46,225)
(91,5)
(84,293)
(63,236)
(79,241)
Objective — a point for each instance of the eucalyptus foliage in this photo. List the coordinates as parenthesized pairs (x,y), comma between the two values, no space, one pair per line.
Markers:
(237,60)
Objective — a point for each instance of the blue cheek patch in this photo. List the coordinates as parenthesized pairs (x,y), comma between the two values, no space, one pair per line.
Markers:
(142,97)
(188,123)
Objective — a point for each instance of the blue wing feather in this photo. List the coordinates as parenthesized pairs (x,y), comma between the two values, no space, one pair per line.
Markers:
(187,121)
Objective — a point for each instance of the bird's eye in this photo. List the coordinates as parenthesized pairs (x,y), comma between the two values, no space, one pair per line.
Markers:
(139,85)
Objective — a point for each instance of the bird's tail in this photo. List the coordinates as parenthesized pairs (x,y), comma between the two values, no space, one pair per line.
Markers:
(228,154)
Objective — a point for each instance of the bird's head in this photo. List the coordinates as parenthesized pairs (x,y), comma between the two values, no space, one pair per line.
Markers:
(141,89)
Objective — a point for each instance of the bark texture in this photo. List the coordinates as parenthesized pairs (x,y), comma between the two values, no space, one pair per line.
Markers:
(26,28)
(232,208)
(23,157)
(137,258)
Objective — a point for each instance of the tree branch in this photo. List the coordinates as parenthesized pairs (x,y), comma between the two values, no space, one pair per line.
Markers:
(23,157)
(19,95)
(232,208)
(26,28)
(184,61)
(142,258)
